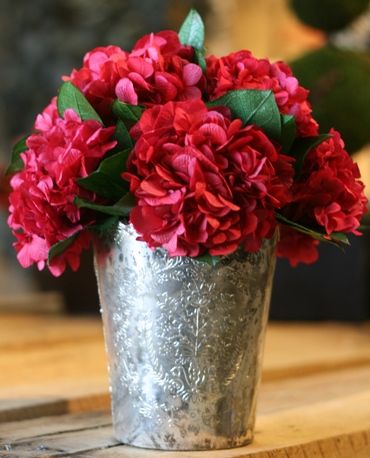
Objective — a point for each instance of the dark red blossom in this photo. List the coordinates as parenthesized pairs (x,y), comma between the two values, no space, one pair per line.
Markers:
(297,247)
(203,182)
(241,70)
(42,211)
(328,196)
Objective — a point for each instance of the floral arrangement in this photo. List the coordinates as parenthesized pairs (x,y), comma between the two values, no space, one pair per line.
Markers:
(202,155)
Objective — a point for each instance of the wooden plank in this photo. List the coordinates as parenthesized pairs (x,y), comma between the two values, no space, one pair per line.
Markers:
(34,408)
(53,380)
(46,370)
(306,348)
(20,330)
(61,444)
(45,363)
(39,427)
(299,392)
(333,421)
(31,301)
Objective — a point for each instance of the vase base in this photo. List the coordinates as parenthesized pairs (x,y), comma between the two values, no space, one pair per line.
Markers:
(169,442)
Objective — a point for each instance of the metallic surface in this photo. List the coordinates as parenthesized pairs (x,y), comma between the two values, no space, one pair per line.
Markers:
(184,341)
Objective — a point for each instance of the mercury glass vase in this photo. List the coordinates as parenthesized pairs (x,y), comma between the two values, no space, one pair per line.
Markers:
(184,340)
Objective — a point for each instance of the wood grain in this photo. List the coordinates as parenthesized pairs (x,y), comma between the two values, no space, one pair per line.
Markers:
(44,365)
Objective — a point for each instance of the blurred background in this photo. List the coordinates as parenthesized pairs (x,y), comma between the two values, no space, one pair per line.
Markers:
(327,42)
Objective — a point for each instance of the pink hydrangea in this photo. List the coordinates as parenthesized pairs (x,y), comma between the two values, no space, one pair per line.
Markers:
(98,76)
(158,69)
(42,211)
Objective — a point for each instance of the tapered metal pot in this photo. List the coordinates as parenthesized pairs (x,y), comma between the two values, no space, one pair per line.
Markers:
(184,342)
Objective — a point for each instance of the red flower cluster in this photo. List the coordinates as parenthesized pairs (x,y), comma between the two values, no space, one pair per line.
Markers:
(328,195)
(241,70)
(42,211)
(296,247)
(204,182)
(157,70)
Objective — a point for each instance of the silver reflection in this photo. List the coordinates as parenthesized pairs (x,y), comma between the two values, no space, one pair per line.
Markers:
(184,342)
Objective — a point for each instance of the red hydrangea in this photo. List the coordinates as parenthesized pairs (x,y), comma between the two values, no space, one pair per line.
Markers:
(241,70)
(157,70)
(42,211)
(328,195)
(296,247)
(203,182)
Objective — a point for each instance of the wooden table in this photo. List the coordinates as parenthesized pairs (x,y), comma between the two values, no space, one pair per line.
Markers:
(314,399)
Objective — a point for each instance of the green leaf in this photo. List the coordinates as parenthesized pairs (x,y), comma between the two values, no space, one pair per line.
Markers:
(71,97)
(253,107)
(106,181)
(61,246)
(208,259)
(120,208)
(104,226)
(191,32)
(16,163)
(336,238)
(200,59)
(129,114)
(364,228)
(302,146)
(340,237)
(123,136)
(288,132)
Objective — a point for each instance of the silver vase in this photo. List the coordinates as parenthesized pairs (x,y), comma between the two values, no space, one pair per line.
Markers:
(184,342)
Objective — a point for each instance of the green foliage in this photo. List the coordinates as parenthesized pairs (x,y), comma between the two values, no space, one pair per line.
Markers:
(16,163)
(339,83)
(99,228)
(58,248)
(191,33)
(71,97)
(129,114)
(336,238)
(208,259)
(200,59)
(105,225)
(288,132)
(123,136)
(328,15)
(120,208)
(106,181)
(253,107)
(302,146)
